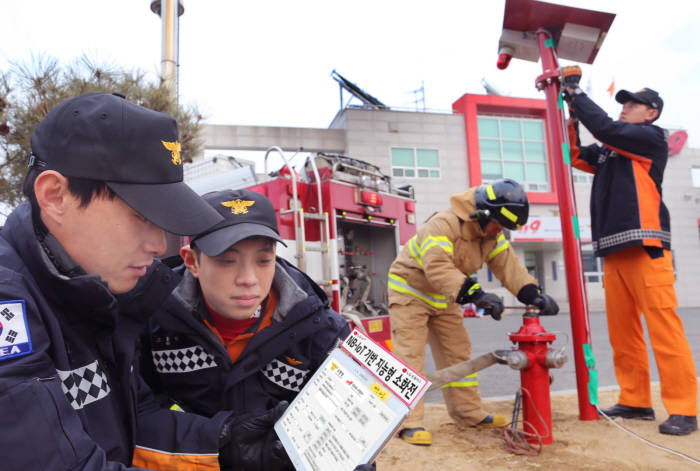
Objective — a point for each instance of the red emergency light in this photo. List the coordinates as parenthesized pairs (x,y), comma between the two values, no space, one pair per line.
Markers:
(370,198)
(410,206)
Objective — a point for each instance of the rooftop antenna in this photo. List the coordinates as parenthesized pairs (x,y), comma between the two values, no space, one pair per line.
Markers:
(419,97)
(368,101)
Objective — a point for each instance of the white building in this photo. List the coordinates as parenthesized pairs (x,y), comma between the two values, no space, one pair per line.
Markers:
(487,137)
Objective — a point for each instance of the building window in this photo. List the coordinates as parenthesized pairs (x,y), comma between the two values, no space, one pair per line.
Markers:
(695,175)
(582,177)
(415,163)
(514,148)
(592,266)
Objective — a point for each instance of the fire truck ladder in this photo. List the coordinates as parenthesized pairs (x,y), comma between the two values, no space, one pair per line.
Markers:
(299,215)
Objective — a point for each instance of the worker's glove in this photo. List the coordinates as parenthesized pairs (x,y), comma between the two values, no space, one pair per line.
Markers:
(492,304)
(531,294)
(570,79)
(571,76)
(249,443)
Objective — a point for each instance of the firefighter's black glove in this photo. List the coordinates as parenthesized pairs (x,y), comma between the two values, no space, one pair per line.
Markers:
(492,304)
(249,443)
(532,294)
(469,290)
(547,305)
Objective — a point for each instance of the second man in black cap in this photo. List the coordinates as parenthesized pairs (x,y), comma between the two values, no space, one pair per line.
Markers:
(244,329)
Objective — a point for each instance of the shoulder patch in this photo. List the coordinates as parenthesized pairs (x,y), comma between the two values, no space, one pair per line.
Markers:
(15,340)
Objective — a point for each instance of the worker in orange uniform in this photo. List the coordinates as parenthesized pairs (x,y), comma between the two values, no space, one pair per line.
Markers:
(631,231)
(430,279)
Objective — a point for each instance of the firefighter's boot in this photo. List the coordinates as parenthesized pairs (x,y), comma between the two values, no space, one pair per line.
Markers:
(417,436)
(492,421)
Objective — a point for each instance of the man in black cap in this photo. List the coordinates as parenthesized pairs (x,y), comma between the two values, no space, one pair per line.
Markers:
(78,282)
(631,231)
(243,330)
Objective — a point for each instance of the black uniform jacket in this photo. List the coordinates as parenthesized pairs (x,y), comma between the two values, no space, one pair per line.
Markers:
(626,204)
(70,393)
(190,366)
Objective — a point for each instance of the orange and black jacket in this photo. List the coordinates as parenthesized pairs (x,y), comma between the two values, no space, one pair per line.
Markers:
(626,204)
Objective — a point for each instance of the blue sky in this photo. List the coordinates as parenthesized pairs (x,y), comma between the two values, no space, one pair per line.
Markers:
(269,62)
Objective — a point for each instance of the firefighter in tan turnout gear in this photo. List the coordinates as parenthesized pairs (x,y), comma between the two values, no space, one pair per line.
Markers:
(430,279)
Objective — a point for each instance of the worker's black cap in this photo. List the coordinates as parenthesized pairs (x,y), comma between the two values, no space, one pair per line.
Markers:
(134,150)
(646,96)
(246,214)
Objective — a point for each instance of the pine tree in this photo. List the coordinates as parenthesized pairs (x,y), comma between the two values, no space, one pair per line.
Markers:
(29,90)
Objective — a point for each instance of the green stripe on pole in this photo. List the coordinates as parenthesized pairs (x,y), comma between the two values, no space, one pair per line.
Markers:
(549,42)
(577,232)
(560,105)
(565,153)
(592,374)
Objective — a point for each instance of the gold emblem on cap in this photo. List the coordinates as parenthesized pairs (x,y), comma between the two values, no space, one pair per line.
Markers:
(238,206)
(174,148)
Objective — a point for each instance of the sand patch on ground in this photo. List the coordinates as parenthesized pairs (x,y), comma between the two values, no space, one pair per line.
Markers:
(578,445)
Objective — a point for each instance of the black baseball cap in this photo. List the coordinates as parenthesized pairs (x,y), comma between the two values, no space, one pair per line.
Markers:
(134,150)
(246,214)
(646,96)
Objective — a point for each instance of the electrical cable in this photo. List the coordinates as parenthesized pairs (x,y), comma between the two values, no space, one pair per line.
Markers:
(648,442)
(520,443)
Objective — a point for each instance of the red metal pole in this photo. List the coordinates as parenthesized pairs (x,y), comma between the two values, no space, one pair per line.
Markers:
(549,82)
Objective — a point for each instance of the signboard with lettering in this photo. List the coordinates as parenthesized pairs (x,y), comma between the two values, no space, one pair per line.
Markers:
(350,408)
(548,229)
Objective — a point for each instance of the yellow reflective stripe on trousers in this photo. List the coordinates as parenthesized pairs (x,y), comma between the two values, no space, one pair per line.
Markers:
(500,247)
(400,285)
(469,381)
(429,242)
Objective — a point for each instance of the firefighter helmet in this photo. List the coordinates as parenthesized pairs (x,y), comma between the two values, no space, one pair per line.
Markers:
(504,201)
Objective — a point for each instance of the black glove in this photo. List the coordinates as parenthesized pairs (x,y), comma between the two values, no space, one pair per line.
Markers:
(468,292)
(532,294)
(547,305)
(492,304)
(250,443)
(366,467)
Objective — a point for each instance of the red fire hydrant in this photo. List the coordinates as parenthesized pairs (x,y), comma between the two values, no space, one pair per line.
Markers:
(534,358)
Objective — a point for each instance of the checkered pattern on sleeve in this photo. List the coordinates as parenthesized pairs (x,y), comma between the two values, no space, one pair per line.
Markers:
(182,360)
(84,385)
(285,375)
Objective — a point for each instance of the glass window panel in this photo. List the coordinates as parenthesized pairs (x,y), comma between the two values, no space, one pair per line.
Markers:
(533,130)
(435,174)
(536,173)
(489,149)
(510,129)
(397,172)
(512,150)
(402,157)
(514,170)
(589,261)
(488,127)
(535,151)
(409,172)
(695,176)
(427,158)
(491,170)
(423,173)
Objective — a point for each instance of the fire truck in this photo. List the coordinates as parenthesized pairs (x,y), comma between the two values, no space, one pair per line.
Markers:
(343,221)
